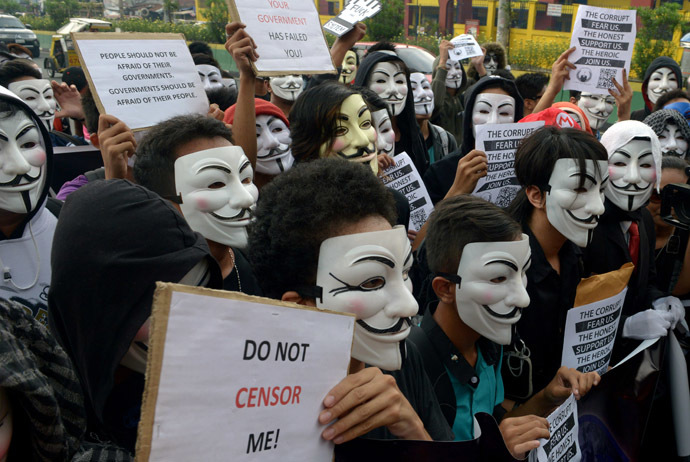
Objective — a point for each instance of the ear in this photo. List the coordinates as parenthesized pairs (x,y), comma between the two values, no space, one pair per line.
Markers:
(444,290)
(94,140)
(573,100)
(294,297)
(535,196)
(267,83)
(530,104)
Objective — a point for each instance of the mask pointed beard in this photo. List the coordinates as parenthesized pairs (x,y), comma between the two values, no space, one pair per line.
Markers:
(363,154)
(277,161)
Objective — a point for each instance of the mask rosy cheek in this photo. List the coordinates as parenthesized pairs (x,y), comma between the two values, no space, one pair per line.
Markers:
(37,157)
(356,307)
(338,145)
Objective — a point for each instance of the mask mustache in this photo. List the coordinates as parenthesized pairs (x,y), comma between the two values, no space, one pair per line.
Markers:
(291,86)
(393,99)
(631,187)
(403,323)
(275,152)
(238,216)
(18,179)
(46,114)
(361,152)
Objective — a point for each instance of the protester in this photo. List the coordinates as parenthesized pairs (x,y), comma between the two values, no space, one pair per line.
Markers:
(672,97)
(493,59)
(532,87)
(662,75)
(349,67)
(285,89)
(381,118)
(448,84)
(439,142)
(673,132)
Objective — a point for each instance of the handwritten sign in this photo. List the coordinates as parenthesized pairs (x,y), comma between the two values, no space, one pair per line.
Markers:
(563,445)
(141,79)
(604,40)
(590,331)
(404,178)
(234,377)
(465,46)
(288,36)
(499,142)
(354,11)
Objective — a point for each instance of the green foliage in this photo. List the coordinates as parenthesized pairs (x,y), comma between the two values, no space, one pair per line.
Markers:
(41,22)
(533,56)
(388,24)
(10,6)
(61,10)
(655,37)
(191,32)
(217,17)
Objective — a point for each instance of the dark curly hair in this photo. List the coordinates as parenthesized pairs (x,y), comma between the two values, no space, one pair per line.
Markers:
(300,209)
(157,152)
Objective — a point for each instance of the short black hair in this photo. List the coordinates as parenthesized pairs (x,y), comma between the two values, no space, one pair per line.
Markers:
(223,96)
(91,112)
(203,58)
(505,73)
(13,70)
(373,100)
(670,95)
(300,209)
(157,152)
(575,94)
(461,220)
(200,47)
(675,163)
(529,85)
(383,45)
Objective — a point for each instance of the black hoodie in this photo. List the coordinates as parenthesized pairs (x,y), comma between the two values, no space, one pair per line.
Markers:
(411,140)
(440,175)
(661,61)
(114,240)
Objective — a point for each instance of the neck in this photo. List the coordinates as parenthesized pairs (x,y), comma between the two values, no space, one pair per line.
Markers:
(394,123)
(424,127)
(548,237)
(283,104)
(463,336)
(221,253)
(9,221)
(451,91)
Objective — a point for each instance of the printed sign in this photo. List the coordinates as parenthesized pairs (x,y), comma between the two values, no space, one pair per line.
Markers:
(499,142)
(604,40)
(288,36)
(141,79)
(404,178)
(563,445)
(234,377)
(590,331)
(465,46)
(354,11)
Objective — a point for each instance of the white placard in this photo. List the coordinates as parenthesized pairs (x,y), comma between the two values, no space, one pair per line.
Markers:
(554,9)
(142,81)
(354,11)
(465,46)
(499,142)
(563,445)
(288,36)
(604,41)
(242,380)
(405,178)
(590,331)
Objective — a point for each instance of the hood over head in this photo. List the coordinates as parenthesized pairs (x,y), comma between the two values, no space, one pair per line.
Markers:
(491,47)
(661,61)
(48,413)
(464,74)
(658,120)
(113,241)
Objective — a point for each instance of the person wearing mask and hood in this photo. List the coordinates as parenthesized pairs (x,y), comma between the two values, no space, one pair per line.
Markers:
(117,240)
(662,76)
(387,75)
(438,141)
(448,83)
(492,100)
(673,132)
(494,59)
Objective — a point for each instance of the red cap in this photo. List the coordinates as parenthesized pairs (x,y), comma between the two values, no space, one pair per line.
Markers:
(574,107)
(262,106)
(553,116)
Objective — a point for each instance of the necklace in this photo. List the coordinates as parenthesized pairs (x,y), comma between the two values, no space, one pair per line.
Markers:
(234,268)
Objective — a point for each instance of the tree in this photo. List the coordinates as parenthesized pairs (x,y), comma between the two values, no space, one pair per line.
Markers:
(388,24)
(168,7)
(61,10)
(216,16)
(503,23)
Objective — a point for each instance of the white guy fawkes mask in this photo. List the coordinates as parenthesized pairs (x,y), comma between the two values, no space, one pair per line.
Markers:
(632,175)
(22,163)
(6,426)
(672,141)
(455,74)
(385,135)
(38,95)
(492,289)
(273,154)
(355,136)
(210,76)
(367,274)
(573,209)
(661,81)
(349,68)
(217,193)
(422,94)
(287,87)
(229,83)
(388,80)
(597,108)
(492,108)
(490,63)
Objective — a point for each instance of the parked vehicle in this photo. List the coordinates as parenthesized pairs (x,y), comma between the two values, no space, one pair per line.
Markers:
(62,52)
(12,30)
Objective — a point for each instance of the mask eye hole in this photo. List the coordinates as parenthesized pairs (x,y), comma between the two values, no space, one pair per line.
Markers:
(499,279)
(216,185)
(247,180)
(29,145)
(373,283)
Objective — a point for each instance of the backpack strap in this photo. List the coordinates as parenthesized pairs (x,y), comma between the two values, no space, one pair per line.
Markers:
(93,175)
(54,206)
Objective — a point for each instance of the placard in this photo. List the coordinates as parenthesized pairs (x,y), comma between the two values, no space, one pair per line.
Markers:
(235,377)
(563,445)
(354,11)
(465,46)
(404,178)
(288,36)
(499,142)
(142,79)
(590,332)
(604,41)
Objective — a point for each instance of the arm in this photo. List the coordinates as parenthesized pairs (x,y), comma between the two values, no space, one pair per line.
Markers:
(623,97)
(243,50)
(69,99)
(478,63)
(470,169)
(560,72)
(438,84)
(522,434)
(117,145)
(345,42)
(367,400)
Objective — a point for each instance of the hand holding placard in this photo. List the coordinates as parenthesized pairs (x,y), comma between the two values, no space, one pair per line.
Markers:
(465,46)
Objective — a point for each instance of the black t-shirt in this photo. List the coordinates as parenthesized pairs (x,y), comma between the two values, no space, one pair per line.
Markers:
(247,280)
(416,387)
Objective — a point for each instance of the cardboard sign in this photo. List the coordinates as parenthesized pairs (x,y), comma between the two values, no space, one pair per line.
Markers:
(235,377)
(142,79)
(563,445)
(466,46)
(499,142)
(604,41)
(288,36)
(404,178)
(354,11)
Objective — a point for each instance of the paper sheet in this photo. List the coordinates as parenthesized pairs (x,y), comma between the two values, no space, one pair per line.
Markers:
(405,178)
(563,445)
(354,11)
(466,46)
